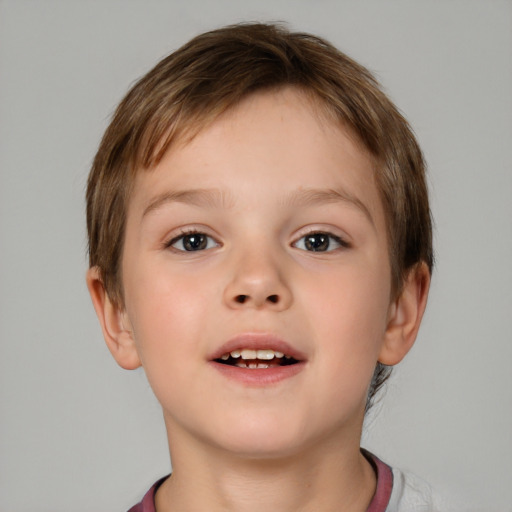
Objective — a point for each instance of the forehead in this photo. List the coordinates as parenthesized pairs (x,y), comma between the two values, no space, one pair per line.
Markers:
(271,143)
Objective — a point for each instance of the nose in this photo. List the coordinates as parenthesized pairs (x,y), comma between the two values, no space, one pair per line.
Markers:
(257,281)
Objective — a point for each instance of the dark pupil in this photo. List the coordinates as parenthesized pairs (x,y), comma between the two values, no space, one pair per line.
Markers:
(195,242)
(317,242)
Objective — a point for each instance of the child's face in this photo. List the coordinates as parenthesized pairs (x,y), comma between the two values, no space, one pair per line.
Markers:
(220,255)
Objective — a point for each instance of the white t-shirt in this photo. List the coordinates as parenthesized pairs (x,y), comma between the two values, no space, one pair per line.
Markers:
(412,494)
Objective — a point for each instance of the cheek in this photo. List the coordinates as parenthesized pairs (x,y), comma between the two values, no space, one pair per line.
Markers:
(164,308)
(356,296)
(168,333)
(350,318)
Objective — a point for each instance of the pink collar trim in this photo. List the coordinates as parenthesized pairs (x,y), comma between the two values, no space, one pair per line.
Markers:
(384,488)
(379,502)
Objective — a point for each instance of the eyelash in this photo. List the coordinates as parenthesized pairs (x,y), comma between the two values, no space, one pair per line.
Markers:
(340,242)
(183,235)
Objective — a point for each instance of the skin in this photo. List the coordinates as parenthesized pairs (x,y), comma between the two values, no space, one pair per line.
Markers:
(291,445)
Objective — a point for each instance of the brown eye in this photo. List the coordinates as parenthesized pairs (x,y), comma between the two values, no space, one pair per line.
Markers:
(193,242)
(319,242)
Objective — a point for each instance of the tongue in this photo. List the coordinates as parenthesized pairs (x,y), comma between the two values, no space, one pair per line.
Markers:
(246,362)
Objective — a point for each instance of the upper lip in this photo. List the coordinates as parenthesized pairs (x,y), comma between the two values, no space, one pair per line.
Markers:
(255,341)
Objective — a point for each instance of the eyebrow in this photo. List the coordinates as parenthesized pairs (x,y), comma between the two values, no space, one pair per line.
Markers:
(313,197)
(209,198)
(213,198)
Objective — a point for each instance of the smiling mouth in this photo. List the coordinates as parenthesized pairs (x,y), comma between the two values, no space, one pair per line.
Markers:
(256,359)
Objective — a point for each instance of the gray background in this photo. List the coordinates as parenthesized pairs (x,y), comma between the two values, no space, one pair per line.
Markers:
(77,433)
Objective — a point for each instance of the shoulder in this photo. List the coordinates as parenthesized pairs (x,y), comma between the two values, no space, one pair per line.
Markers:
(148,502)
(412,494)
(403,491)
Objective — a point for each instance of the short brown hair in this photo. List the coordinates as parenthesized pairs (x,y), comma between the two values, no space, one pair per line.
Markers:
(212,73)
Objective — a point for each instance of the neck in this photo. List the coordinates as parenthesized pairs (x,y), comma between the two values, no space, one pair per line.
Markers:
(328,477)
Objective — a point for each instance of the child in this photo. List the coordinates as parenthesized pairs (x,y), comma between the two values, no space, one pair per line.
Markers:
(260,243)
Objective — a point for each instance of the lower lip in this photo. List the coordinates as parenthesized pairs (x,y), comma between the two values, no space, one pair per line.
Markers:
(258,377)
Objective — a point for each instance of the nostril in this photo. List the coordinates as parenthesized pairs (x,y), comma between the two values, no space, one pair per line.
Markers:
(241,298)
(273,298)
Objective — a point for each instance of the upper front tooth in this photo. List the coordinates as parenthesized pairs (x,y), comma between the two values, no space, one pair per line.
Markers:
(265,354)
(247,354)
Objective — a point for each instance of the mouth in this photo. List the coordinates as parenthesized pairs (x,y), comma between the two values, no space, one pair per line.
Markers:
(256,359)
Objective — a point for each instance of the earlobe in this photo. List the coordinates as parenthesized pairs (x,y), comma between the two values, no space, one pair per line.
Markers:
(114,323)
(405,316)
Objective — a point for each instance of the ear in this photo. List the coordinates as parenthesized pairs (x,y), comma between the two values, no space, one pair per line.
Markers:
(114,323)
(405,314)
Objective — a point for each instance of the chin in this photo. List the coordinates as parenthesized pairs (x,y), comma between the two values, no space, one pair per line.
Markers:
(260,439)
(264,450)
